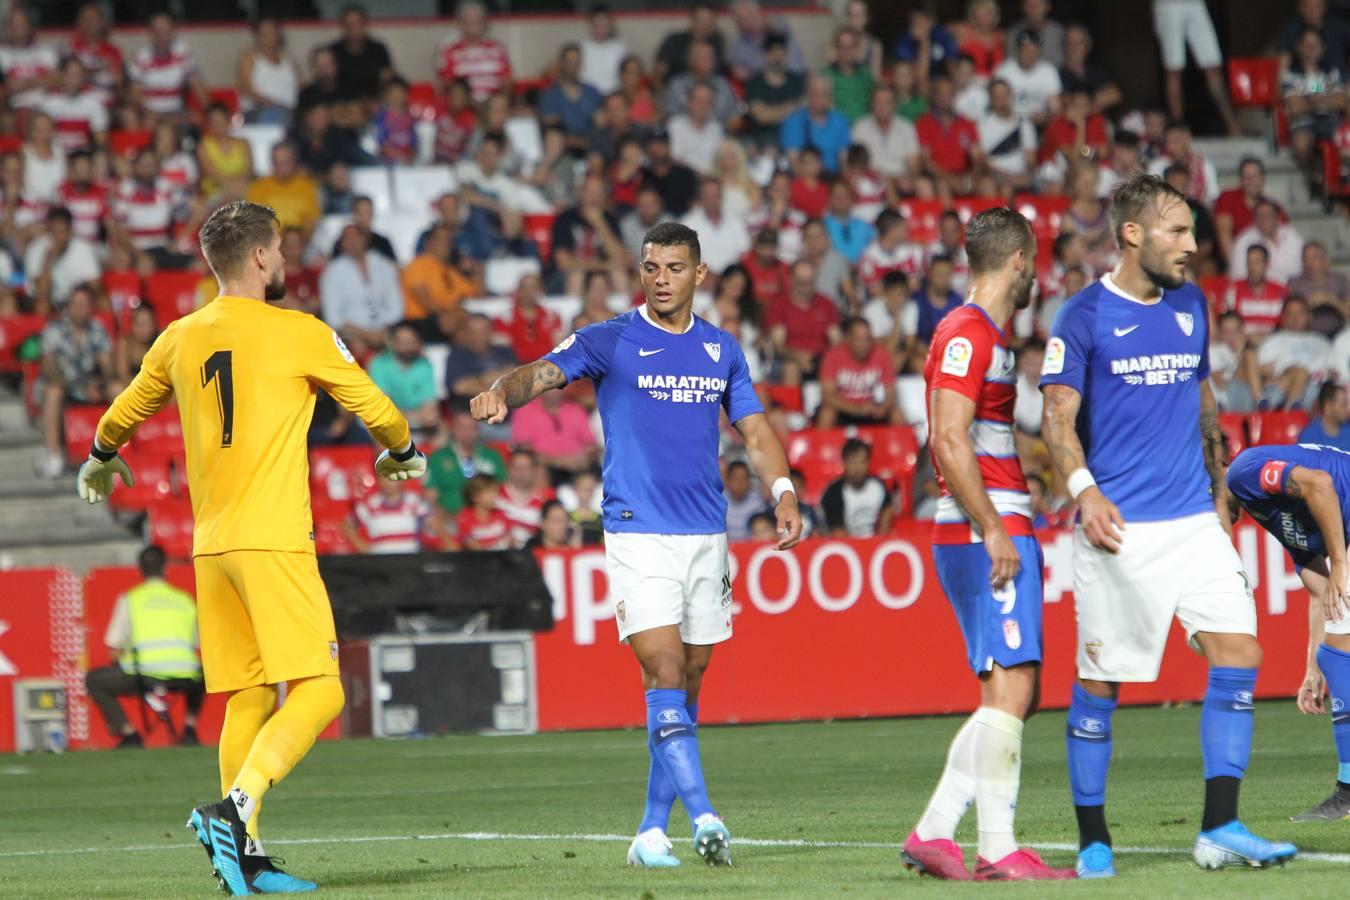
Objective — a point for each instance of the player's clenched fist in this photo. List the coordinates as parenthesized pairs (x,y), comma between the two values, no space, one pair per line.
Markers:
(489,406)
(1102,522)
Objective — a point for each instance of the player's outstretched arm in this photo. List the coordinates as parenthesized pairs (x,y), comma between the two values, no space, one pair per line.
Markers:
(952,415)
(1216,457)
(515,389)
(770,464)
(1102,522)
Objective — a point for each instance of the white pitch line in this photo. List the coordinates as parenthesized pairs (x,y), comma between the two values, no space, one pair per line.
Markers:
(1341,858)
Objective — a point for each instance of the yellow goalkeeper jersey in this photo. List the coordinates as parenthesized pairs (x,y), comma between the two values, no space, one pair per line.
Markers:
(244,374)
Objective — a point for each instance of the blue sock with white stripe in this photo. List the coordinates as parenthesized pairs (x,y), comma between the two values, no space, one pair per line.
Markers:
(675,742)
(1087,735)
(660,790)
(1335,666)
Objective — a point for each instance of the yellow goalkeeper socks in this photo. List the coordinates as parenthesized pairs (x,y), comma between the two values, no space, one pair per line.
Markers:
(311,703)
(246,712)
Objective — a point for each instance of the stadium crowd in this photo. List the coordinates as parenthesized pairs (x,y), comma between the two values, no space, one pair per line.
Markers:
(829,197)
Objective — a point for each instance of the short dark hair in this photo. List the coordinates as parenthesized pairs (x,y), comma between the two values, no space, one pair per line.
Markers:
(1138,195)
(887,219)
(232,232)
(1261,249)
(673,234)
(943,258)
(476,485)
(852,446)
(1251,161)
(152,560)
(851,322)
(60,214)
(894,278)
(993,235)
(1327,393)
(1231,314)
(738,464)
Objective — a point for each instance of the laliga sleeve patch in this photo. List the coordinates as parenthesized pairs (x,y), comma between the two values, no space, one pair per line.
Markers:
(1054,357)
(342,348)
(565,343)
(1272,476)
(956,357)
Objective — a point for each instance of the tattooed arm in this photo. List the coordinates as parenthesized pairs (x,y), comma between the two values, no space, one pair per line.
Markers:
(1100,518)
(515,389)
(1216,457)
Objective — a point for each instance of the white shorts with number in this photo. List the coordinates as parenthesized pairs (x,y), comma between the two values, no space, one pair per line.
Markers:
(1181,22)
(670,579)
(1185,568)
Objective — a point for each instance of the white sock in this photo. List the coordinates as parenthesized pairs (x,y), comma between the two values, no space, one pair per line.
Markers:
(253,847)
(955,790)
(243,803)
(998,774)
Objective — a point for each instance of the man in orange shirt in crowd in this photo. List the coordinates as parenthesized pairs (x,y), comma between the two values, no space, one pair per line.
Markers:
(289,191)
(433,289)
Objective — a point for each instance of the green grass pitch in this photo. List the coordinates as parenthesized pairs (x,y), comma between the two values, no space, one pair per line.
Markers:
(529,816)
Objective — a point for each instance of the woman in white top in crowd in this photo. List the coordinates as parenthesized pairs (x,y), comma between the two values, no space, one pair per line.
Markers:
(268,80)
(740,194)
(44,163)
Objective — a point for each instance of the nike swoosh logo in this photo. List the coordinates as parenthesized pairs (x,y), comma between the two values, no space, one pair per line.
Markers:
(1088,736)
(650,352)
(667,732)
(1121,332)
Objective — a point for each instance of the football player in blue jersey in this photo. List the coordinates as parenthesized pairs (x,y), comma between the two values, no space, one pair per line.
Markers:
(1300,493)
(1132,425)
(662,377)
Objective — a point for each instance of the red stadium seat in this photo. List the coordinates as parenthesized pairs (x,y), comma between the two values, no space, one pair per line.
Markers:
(539,228)
(817,452)
(1333,176)
(127,143)
(787,397)
(329,516)
(125,293)
(14,330)
(424,102)
(922,216)
(1234,427)
(1046,215)
(81,422)
(225,96)
(1215,288)
(341,473)
(159,477)
(173,294)
(895,456)
(1254,82)
(1276,427)
(11,143)
(162,433)
(170,526)
(968,206)
(523,86)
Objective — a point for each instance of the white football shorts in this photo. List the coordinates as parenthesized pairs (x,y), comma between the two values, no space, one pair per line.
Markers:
(1125,602)
(1181,22)
(670,579)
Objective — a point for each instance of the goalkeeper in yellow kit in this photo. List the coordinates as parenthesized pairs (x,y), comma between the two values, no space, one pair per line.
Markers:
(244,374)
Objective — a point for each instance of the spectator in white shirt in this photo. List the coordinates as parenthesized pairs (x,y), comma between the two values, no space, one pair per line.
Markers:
(360,294)
(890,139)
(972,90)
(57,262)
(1007,139)
(27,66)
(1177,148)
(77,110)
(1284,244)
(723,240)
(602,52)
(483,184)
(44,162)
(1035,83)
(696,134)
(1232,366)
(1294,359)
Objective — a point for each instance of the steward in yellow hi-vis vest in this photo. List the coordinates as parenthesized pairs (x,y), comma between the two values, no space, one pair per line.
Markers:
(244,374)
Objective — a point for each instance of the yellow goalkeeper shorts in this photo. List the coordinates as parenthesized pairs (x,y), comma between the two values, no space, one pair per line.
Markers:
(264,618)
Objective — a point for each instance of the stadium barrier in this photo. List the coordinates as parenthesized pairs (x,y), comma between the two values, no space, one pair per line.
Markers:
(835,629)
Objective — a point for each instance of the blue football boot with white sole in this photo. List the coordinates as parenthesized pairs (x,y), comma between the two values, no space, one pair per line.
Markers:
(1234,845)
(1096,860)
(652,850)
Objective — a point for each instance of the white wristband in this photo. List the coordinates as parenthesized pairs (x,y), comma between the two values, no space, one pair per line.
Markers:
(1080,480)
(782,486)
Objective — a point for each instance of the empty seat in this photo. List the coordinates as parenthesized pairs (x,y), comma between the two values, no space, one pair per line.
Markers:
(419,187)
(341,473)
(172,293)
(261,139)
(501,276)
(1276,427)
(373,182)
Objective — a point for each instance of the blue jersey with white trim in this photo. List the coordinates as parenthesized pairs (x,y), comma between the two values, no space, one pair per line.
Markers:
(660,397)
(1138,367)
(1259,479)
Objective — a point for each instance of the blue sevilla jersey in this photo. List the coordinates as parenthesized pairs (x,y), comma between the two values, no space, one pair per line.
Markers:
(1138,367)
(1259,479)
(660,397)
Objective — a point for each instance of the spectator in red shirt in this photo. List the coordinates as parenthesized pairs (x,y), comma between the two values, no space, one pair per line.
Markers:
(100,56)
(87,201)
(1078,133)
(474,56)
(803,327)
(480,524)
(810,195)
(530,329)
(394,518)
(949,145)
(455,123)
(523,495)
(770,278)
(1259,302)
(1236,207)
(857,381)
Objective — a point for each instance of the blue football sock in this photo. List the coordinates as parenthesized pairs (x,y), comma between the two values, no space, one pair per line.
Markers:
(1226,722)
(1088,736)
(675,742)
(660,790)
(1335,666)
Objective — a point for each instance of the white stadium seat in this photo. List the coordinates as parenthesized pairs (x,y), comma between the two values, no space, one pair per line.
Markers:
(373,182)
(261,139)
(500,276)
(419,187)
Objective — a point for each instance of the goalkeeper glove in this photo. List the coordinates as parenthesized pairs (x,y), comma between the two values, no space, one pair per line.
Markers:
(95,480)
(400,466)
